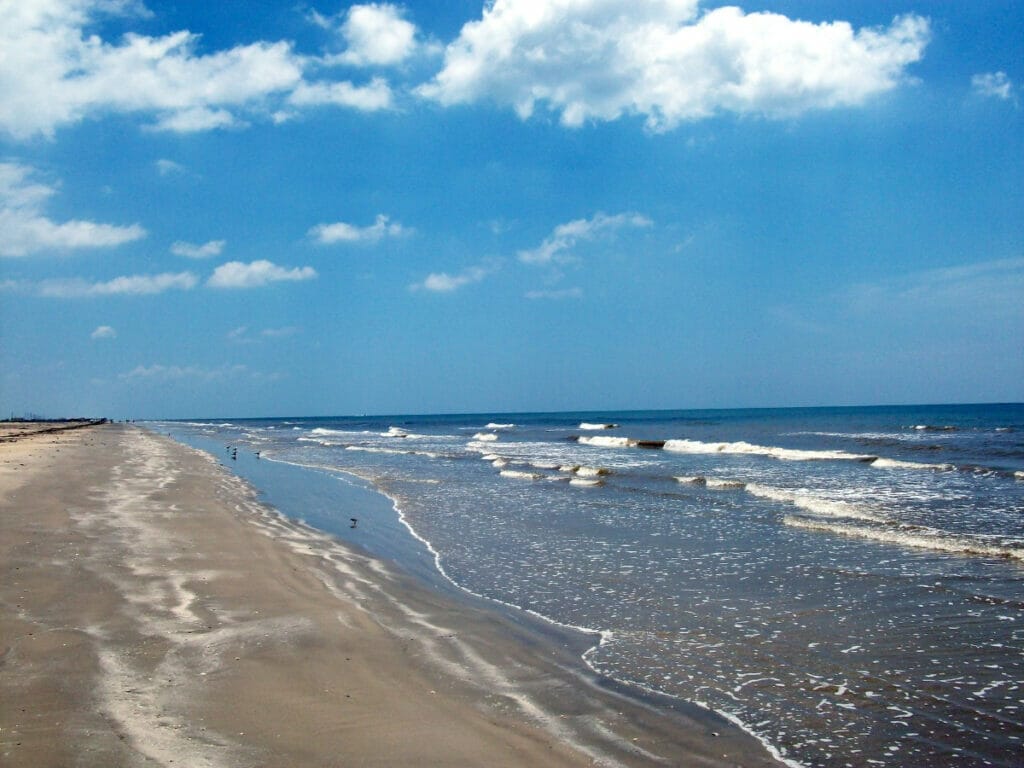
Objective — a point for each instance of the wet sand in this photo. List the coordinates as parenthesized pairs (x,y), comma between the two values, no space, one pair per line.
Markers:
(152,612)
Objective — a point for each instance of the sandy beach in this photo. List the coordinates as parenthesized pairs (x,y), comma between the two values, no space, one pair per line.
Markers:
(153,612)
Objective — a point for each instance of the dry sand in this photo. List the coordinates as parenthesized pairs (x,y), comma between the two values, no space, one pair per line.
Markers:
(153,613)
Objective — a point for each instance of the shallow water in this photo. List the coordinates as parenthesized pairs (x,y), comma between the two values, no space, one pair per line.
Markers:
(845,582)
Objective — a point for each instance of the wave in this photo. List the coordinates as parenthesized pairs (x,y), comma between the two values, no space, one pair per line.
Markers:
(492,425)
(816,505)
(585,481)
(911,537)
(608,442)
(368,449)
(882,463)
(320,441)
(750,449)
(715,483)
(324,432)
(485,437)
(592,471)
(933,428)
(519,474)
(399,432)
(592,426)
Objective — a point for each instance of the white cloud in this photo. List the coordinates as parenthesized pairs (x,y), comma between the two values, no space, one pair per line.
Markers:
(177,372)
(442,282)
(566,236)
(24,229)
(128,285)
(56,70)
(241,334)
(196,119)
(668,61)
(236,274)
(985,289)
(193,251)
(367,98)
(279,333)
(994,85)
(167,167)
(376,34)
(561,293)
(103,332)
(341,232)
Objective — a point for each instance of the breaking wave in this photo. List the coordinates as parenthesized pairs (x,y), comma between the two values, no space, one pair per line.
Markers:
(815,505)
(743,448)
(907,536)
(608,442)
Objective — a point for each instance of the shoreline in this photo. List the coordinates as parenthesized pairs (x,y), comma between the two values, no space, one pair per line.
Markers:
(154,611)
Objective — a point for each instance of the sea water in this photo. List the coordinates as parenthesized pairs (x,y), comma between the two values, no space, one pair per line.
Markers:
(846,583)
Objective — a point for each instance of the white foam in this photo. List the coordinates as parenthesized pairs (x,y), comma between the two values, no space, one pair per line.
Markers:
(608,442)
(743,448)
(399,432)
(499,463)
(693,480)
(336,432)
(492,425)
(591,426)
(816,505)
(1019,475)
(720,484)
(592,471)
(585,481)
(926,539)
(521,475)
(485,437)
(714,483)
(882,463)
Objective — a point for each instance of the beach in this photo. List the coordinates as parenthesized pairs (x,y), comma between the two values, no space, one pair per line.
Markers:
(154,612)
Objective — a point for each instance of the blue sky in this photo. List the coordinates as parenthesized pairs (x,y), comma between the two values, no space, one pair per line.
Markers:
(248,209)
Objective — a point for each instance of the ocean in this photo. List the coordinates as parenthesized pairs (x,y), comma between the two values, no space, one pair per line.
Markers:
(845,583)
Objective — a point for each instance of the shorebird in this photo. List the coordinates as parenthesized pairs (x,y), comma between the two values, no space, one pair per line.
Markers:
(354,521)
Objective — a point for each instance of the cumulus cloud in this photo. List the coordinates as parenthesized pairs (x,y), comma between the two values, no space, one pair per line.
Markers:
(54,72)
(103,332)
(194,251)
(376,35)
(367,98)
(667,61)
(566,236)
(236,274)
(442,282)
(127,285)
(996,85)
(25,229)
(341,232)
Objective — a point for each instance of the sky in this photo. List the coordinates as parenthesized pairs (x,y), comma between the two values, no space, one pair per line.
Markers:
(318,208)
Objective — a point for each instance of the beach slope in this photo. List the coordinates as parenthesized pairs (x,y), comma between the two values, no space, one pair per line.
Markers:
(152,612)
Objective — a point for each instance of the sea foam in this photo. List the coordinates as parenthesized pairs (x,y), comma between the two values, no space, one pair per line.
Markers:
(744,448)
(917,538)
(815,505)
